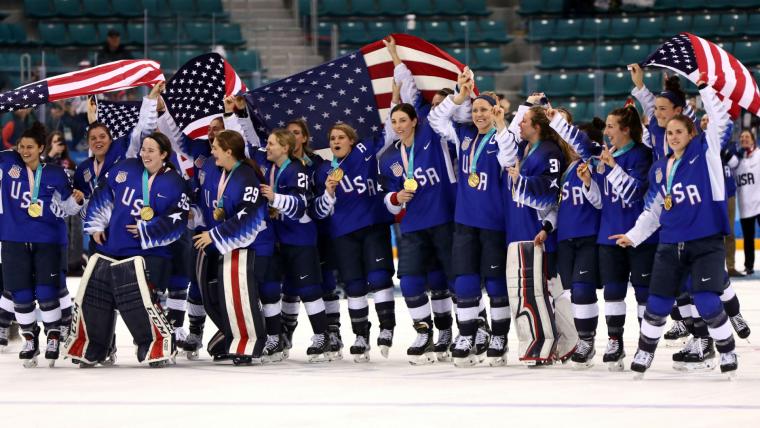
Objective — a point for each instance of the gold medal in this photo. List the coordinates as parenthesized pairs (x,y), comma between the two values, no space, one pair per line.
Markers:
(34,210)
(336,174)
(273,212)
(600,168)
(582,168)
(668,202)
(410,185)
(146,213)
(219,214)
(473,180)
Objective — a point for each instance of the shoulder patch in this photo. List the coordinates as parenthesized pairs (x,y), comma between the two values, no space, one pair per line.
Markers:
(87,175)
(121,177)
(466,143)
(397,169)
(15,172)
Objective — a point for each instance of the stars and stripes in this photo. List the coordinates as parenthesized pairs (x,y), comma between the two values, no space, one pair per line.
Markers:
(113,76)
(119,117)
(693,56)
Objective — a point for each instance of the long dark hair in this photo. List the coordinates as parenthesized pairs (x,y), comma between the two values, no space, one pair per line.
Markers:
(300,123)
(547,133)
(36,132)
(673,92)
(164,146)
(233,141)
(96,125)
(628,117)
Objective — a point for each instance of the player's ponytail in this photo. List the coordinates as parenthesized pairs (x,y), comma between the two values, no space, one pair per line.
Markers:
(594,129)
(628,118)
(37,133)
(234,142)
(306,135)
(673,92)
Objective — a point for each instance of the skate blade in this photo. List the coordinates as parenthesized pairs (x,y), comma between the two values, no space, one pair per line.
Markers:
(3,348)
(730,375)
(481,357)
(285,354)
(444,357)
(333,356)
(319,358)
(192,355)
(421,360)
(703,366)
(361,358)
(110,361)
(469,361)
(51,362)
(497,361)
(676,343)
(585,365)
(615,366)
(274,358)
(679,366)
(31,363)
(385,350)
(638,375)
(83,365)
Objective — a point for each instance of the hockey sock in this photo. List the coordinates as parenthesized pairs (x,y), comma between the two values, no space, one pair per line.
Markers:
(730,301)
(614,307)
(642,294)
(381,285)
(23,305)
(499,302)
(64,301)
(440,299)
(709,304)
(269,293)
(196,313)
(683,303)
(358,307)
(331,298)
(50,306)
(291,305)
(413,290)
(6,309)
(311,295)
(585,309)
(176,301)
(653,321)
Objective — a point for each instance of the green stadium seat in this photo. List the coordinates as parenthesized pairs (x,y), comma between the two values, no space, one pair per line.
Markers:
(476,7)
(198,33)
(448,7)
(580,56)
(247,61)
(595,28)
(127,8)
(353,32)
(438,31)
(186,55)
(753,25)
(706,25)
(578,110)
(561,84)
(653,80)
(568,29)
(97,8)
(334,7)
(747,52)
(623,28)
(617,83)
(68,8)
(209,8)
(743,4)
(229,34)
(12,34)
(169,34)
(53,62)
(485,82)
(608,56)
(756,75)
(38,9)
(421,7)
(156,8)
(531,7)
(727,46)
(541,30)
(650,28)
(324,31)
(552,57)
(364,8)
(182,7)
(667,4)
(534,83)
(494,31)
(553,6)
(136,34)
(601,109)
(585,84)
(393,7)
(6,35)
(675,24)
(694,4)
(471,28)
(165,58)
(83,34)
(731,24)
(460,54)
(634,53)
(105,27)
(489,59)
(53,34)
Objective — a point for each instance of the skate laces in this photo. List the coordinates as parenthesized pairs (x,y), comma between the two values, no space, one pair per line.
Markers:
(727,358)
(65,330)
(444,336)
(678,328)
(497,342)
(583,347)
(643,358)
(361,342)
(421,339)
(52,344)
(481,336)
(272,341)
(28,345)
(738,322)
(385,334)
(613,345)
(464,343)
(317,341)
(3,332)
(180,334)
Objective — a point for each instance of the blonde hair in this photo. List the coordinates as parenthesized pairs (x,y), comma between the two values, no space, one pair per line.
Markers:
(346,129)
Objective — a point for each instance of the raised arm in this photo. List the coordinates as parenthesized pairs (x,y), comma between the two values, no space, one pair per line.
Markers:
(580,141)
(715,134)
(640,91)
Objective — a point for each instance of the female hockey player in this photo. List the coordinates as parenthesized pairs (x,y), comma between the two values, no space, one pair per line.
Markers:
(350,197)
(35,197)
(686,200)
(747,174)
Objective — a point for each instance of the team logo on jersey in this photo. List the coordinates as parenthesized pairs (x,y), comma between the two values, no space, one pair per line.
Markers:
(202,177)
(466,143)
(87,175)
(658,175)
(397,169)
(121,177)
(199,161)
(15,171)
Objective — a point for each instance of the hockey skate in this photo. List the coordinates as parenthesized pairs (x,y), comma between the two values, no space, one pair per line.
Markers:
(3,339)
(679,357)
(216,347)
(360,349)
(740,326)
(288,328)
(385,341)
(65,331)
(422,351)
(729,364)
(464,352)
(642,360)
(52,348)
(678,335)
(31,349)
(273,349)
(482,340)
(180,337)
(702,355)
(497,351)
(442,347)
(192,346)
(335,343)
(320,346)
(614,354)
(583,357)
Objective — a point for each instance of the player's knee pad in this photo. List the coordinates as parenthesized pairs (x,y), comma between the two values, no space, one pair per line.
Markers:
(22,297)
(496,287)
(412,285)
(93,315)
(440,294)
(47,293)
(329,284)
(615,291)
(583,293)
(269,292)
(310,292)
(708,304)
(244,327)
(194,292)
(642,293)
(467,286)
(529,301)
(135,302)
(379,280)
(659,305)
(357,288)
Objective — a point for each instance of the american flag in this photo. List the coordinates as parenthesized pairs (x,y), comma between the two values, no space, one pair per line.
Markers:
(355,89)
(119,117)
(194,95)
(693,56)
(113,76)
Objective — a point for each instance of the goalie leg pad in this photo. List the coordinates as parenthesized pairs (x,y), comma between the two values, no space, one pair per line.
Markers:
(529,302)
(144,319)
(207,266)
(567,335)
(93,314)
(244,329)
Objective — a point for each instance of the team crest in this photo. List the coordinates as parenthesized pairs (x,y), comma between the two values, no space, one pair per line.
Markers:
(658,175)
(466,143)
(87,175)
(202,177)
(397,169)
(15,171)
(121,177)
(199,161)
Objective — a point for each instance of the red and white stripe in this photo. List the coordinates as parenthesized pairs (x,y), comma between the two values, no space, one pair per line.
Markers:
(726,74)
(233,85)
(113,76)
(237,302)
(433,68)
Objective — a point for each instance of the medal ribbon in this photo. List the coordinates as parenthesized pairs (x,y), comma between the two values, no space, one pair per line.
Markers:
(96,168)
(334,164)
(672,167)
(223,184)
(147,181)
(627,148)
(408,163)
(34,181)
(475,155)
(274,180)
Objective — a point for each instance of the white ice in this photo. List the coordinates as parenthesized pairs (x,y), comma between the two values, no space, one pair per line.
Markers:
(385,392)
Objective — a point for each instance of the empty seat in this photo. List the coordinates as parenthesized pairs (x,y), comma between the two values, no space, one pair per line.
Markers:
(731,23)
(186,55)
(335,7)
(83,34)
(568,29)
(617,83)
(494,31)
(666,4)
(53,34)
(165,58)
(467,29)
(476,7)
(489,59)
(623,28)
(595,28)
(552,57)
(380,29)
(561,84)
(531,7)
(485,82)
(97,8)
(586,84)
(753,25)
(157,8)
(127,8)
(553,6)
(182,7)
(353,32)
(675,24)
(247,61)
(207,8)
(421,7)
(634,53)
(136,34)
(608,56)
(578,110)
(460,55)
(198,33)
(535,83)
(705,25)
(68,8)
(364,8)
(650,28)
(653,80)
(438,32)
(580,56)
(169,33)
(38,9)
(747,52)
(229,34)
(541,30)
(449,7)
(393,7)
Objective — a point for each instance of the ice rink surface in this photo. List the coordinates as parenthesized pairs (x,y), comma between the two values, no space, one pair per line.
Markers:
(384,392)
